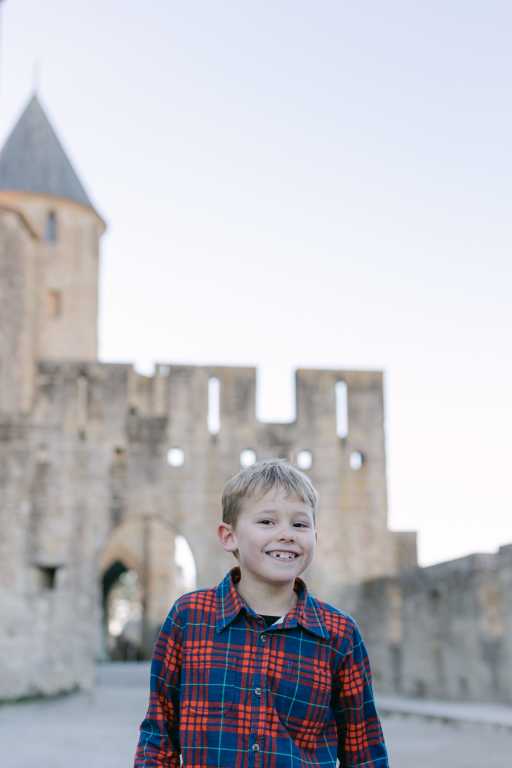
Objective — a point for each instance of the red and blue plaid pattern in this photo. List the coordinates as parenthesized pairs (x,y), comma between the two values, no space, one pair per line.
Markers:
(228,691)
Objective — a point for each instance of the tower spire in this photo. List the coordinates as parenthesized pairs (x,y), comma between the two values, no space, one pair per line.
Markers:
(34,160)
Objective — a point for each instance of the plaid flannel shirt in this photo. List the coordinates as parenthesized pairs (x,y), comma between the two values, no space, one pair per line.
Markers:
(227,691)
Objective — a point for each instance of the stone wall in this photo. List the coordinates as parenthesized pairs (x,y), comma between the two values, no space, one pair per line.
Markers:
(51,287)
(47,586)
(441,632)
(133,421)
(18,316)
(85,485)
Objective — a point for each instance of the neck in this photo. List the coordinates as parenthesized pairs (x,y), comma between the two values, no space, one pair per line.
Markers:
(273,600)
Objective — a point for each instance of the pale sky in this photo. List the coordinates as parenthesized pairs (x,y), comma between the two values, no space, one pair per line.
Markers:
(318,184)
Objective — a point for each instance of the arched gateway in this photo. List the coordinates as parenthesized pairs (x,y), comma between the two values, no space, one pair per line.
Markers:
(145,549)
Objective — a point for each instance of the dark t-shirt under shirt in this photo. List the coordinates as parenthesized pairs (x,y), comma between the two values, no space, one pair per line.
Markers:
(269,619)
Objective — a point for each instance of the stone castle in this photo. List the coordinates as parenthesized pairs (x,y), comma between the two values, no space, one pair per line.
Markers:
(101,468)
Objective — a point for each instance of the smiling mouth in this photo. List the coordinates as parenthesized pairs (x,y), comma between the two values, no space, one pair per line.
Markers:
(281,555)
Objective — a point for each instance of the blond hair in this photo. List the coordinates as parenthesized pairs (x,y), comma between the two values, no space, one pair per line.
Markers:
(259,479)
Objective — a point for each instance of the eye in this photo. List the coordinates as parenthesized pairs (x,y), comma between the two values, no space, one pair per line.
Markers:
(302,525)
(265,521)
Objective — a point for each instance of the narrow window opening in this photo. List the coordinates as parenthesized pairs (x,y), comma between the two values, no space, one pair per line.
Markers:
(304,459)
(275,394)
(185,565)
(213,406)
(356,460)
(435,596)
(54,303)
(247,457)
(116,509)
(50,232)
(341,409)
(47,576)
(176,457)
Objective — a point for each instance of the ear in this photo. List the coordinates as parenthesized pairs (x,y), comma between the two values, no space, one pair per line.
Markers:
(227,537)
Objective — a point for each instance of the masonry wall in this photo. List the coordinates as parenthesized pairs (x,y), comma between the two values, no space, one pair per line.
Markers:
(353,509)
(86,484)
(142,418)
(18,278)
(48,605)
(441,632)
(65,295)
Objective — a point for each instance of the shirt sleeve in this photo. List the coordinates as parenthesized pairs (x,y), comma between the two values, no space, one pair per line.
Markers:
(158,745)
(360,738)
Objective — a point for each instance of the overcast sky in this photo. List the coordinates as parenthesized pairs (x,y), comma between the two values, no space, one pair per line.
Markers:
(295,183)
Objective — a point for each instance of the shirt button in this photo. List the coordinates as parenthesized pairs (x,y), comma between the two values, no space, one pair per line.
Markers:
(255,747)
(257,691)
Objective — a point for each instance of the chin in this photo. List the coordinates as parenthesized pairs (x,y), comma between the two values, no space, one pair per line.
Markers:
(288,575)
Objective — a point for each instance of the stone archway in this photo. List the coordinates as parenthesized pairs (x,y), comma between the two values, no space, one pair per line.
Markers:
(122,613)
(145,546)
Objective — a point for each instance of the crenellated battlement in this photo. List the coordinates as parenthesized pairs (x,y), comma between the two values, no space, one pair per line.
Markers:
(186,429)
(104,398)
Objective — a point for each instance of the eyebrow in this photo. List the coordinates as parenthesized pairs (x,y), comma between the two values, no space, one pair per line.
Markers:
(271,511)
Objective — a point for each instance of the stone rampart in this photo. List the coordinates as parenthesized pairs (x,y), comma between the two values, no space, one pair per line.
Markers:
(87,486)
(443,631)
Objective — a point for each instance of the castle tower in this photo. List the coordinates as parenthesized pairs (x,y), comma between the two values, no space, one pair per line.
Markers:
(49,258)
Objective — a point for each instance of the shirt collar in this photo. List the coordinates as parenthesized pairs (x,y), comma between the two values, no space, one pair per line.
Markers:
(229,603)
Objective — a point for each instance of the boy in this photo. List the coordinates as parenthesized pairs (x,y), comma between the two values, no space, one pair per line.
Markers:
(257,672)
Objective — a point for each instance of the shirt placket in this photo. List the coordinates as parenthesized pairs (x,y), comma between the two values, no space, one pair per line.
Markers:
(259,693)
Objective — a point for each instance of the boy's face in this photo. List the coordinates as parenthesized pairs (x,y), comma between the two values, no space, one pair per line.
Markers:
(275,535)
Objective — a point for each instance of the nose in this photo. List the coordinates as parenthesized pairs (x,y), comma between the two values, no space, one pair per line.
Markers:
(287,535)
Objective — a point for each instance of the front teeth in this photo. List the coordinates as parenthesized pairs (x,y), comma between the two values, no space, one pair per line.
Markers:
(282,555)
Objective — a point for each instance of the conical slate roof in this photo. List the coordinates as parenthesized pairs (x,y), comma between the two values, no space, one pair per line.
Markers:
(33,159)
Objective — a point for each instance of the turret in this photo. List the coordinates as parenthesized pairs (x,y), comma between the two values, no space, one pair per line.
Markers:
(49,251)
